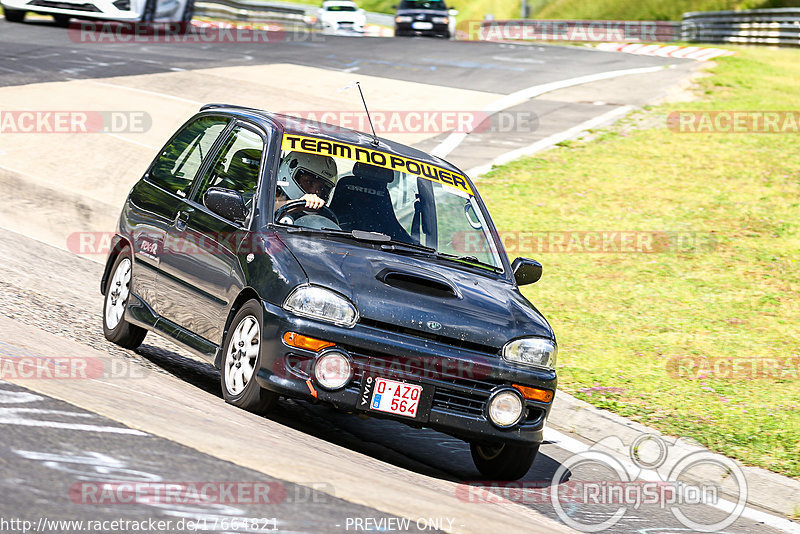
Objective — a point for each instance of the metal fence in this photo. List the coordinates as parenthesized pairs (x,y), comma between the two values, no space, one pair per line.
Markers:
(284,12)
(251,11)
(776,27)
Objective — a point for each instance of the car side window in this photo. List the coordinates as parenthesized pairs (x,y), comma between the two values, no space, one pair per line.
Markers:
(237,166)
(178,163)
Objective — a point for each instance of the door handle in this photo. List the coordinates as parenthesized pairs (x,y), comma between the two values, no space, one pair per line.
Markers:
(181,219)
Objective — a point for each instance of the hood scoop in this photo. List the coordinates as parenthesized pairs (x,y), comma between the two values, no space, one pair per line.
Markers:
(419,282)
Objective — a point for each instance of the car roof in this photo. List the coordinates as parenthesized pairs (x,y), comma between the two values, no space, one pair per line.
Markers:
(299,126)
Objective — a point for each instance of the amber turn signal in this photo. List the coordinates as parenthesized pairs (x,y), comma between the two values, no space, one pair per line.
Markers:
(294,339)
(541,395)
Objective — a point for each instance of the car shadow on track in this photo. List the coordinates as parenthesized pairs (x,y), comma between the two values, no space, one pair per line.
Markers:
(423,451)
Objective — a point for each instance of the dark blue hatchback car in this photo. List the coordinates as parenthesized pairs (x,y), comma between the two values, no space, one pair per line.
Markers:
(315,262)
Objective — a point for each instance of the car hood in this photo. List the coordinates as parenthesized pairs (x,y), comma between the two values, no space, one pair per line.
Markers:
(343,15)
(409,292)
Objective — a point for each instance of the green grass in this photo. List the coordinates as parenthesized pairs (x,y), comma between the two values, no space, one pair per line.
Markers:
(644,9)
(621,318)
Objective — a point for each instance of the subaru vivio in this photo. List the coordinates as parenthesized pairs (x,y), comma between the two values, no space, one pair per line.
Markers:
(325,264)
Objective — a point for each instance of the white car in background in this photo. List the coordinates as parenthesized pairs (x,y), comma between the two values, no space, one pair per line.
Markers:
(341,16)
(118,10)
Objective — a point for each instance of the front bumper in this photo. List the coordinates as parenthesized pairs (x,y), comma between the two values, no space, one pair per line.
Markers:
(407,28)
(96,9)
(460,381)
(342,26)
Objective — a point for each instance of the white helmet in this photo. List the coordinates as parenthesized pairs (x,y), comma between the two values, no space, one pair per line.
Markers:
(322,167)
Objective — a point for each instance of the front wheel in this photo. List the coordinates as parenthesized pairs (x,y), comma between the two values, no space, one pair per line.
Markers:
(62,21)
(14,15)
(149,13)
(502,461)
(115,327)
(241,361)
(188,13)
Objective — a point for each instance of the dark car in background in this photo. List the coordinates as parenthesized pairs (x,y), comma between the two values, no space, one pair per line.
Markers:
(395,299)
(423,17)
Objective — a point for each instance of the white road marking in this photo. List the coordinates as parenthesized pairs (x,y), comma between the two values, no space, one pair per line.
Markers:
(550,141)
(146,92)
(454,139)
(562,441)
(117,136)
(14,416)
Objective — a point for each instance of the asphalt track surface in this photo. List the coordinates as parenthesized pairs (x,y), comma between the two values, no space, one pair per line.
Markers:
(44,454)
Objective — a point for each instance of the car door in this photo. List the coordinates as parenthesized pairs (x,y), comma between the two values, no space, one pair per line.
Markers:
(197,283)
(154,200)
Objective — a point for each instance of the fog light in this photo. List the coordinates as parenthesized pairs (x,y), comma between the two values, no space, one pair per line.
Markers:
(505,408)
(333,370)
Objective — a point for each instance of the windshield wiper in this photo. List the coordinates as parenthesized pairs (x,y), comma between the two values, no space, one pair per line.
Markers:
(469,260)
(295,229)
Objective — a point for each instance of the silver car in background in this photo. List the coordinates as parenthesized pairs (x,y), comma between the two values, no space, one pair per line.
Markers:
(341,16)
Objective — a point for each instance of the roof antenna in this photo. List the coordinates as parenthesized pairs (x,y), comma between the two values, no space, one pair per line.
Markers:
(375,142)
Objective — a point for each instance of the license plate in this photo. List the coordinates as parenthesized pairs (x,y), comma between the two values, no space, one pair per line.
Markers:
(399,398)
(422,25)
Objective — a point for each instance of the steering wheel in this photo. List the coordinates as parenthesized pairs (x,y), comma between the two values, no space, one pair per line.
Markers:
(290,208)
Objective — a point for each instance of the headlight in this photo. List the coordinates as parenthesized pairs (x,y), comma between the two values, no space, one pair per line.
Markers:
(402,19)
(505,408)
(323,304)
(440,20)
(534,351)
(333,370)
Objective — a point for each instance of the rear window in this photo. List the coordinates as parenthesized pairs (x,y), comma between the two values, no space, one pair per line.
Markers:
(341,8)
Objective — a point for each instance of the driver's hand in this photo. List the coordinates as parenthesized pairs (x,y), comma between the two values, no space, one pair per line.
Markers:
(313,201)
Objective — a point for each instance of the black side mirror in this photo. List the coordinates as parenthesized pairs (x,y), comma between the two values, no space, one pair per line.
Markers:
(526,271)
(226,203)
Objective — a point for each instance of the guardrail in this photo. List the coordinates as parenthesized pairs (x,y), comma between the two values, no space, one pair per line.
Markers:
(574,30)
(251,11)
(254,11)
(777,27)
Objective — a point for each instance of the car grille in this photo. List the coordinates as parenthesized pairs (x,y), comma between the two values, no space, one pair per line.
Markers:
(453,342)
(65,5)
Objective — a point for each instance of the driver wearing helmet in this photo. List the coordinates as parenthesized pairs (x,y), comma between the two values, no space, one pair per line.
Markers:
(308,177)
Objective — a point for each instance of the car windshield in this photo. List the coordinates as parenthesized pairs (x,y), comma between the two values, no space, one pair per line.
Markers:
(422,4)
(340,7)
(422,208)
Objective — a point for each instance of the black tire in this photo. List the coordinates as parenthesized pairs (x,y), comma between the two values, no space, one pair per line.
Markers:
(149,13)
(251,397)
(14,15)
(62,21)
(187,15)
(503,461)
(124,334)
